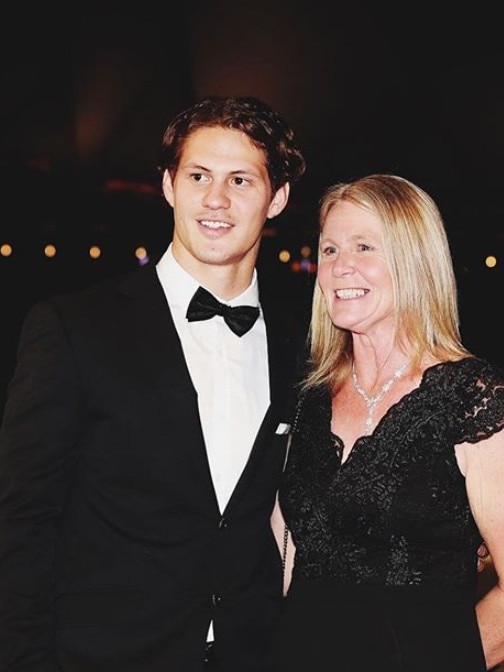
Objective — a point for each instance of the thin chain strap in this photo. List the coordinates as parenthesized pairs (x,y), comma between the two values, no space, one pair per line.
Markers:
(286,529)
(284,549)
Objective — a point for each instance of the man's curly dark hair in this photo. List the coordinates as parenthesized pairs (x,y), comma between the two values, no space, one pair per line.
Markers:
(268,131)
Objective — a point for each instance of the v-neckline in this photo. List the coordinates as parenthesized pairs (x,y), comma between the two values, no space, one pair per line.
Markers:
(365,438)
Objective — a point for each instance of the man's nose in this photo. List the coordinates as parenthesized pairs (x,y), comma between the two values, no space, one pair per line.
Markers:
(216,196)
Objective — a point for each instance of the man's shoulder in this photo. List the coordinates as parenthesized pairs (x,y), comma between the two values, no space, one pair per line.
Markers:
(97,299)
(125,283)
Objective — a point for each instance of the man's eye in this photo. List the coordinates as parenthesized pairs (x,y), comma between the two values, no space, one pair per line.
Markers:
(199,177)
(239,181)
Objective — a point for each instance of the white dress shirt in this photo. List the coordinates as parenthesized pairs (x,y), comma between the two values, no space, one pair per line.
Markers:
(229,373)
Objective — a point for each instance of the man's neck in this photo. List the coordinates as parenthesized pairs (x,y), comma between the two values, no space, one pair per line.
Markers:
(224,280)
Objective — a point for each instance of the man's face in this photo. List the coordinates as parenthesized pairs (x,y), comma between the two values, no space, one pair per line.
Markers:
(221,197)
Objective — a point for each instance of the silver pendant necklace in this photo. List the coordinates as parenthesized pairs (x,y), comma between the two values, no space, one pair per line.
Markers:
(372,401)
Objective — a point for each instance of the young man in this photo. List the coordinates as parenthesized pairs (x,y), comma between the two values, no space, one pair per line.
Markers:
(143,437)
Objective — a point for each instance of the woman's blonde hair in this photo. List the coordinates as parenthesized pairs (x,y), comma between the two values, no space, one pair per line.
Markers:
(423,278)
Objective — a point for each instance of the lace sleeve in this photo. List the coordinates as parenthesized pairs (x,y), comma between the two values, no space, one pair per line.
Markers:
(481,401)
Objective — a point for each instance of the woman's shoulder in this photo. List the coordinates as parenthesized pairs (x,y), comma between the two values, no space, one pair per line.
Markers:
(469,371)
(476,390)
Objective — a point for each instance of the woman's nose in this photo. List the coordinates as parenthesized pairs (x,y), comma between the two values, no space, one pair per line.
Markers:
(342,263)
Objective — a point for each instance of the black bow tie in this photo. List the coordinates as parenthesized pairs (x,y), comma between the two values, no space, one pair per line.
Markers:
(204,306)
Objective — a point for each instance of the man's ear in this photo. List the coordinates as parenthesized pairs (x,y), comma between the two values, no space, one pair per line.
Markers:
(168,187)
(279,201)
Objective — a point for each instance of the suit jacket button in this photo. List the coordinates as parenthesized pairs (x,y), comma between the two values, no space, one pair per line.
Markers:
(216,600)
(223,524)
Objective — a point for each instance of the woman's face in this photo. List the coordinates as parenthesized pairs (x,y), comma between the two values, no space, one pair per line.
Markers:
(353,272)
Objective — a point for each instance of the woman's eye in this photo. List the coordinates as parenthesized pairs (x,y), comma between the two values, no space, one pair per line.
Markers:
(364,247)
(328,250)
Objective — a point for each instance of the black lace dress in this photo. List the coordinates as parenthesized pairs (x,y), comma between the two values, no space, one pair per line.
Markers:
(385,571)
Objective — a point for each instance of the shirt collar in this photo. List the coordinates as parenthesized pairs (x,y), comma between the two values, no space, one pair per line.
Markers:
(179,285)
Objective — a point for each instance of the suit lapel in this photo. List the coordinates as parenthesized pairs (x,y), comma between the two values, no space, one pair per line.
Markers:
(283,348)
(161,363)
(152,330)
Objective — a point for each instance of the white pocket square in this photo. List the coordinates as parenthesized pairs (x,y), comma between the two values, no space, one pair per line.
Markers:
(283,428)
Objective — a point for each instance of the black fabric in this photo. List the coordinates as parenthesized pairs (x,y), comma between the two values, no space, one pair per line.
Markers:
(361,628)
(204,306)
(392,526)
(121,549)
(210,657)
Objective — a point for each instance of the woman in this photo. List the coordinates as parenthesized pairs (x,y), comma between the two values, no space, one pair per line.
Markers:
(395,471)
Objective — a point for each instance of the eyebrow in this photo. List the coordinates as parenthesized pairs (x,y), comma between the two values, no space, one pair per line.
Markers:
(238,171)
(353,238)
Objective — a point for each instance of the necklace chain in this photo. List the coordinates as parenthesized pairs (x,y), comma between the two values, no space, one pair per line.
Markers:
(372,400)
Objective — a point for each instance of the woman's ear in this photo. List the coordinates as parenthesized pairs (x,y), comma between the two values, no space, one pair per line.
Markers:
(279,201)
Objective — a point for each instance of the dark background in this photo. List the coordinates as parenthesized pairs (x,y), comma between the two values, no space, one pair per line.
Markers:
(410,88)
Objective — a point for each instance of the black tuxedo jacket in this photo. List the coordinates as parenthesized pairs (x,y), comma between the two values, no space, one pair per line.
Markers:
(113,553)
